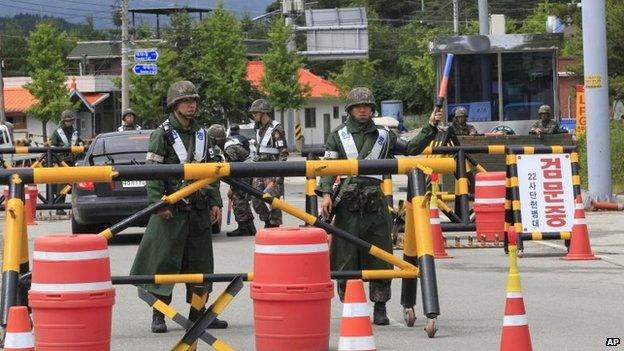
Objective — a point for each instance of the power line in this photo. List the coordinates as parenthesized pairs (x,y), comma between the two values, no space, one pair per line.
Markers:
(40,12)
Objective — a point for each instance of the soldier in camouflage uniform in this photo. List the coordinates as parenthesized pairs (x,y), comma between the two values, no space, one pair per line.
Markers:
(178,238)
(545,125)
(271,146)
(234,151)
(459,125)
(65,135)
(128,121)
(359,206)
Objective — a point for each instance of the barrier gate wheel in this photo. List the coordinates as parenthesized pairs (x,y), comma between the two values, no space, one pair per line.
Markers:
(431,328)
(409,315)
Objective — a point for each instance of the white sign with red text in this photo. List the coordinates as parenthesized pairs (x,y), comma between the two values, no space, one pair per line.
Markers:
(546,192)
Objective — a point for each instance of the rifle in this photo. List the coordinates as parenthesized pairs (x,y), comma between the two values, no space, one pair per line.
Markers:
(229,211)
(335,197)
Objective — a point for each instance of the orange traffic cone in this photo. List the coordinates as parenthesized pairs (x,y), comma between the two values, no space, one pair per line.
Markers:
(436,230)
(19,334)
(579,242)
(515,335)
(356,332)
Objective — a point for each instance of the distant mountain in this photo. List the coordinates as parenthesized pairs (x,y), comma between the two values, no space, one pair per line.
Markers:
(75,11)
(27,22)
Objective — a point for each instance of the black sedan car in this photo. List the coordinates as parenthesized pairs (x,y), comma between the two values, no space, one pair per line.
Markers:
(97,206)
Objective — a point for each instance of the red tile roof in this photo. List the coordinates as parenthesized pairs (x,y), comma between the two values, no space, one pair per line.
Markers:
(320,86)
(17,99)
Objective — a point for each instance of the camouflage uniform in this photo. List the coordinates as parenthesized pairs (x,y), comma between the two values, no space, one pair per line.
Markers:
(125,126)
(551,127)
(72,138)
(361,210)
(274,185)
(462,128)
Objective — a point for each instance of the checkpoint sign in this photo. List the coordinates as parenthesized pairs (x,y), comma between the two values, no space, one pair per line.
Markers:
(546,192)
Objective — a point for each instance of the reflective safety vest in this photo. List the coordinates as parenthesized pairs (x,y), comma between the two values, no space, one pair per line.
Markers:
(174,138)
(266,144)
(74,137)
(348,144)
(235,141)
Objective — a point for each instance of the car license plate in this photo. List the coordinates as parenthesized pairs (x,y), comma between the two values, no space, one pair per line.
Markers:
(133,183)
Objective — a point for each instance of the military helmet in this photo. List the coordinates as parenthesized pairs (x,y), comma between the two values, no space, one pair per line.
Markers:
(126,112)
(544,109)
(461,111)
(179,91)
(216,132)
(260,105)
(360,96)
(68,115)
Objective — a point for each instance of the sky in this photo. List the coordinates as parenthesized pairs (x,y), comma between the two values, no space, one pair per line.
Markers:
(76,10)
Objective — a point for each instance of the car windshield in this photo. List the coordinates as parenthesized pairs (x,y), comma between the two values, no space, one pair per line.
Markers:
(119,149)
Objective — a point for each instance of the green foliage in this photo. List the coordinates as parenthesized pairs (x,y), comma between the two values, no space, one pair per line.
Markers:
(617,150)
(47,70)
(281,77)
(149,93)
(223,66)
(355,73)
(13,44)
(182,38)
(615,47)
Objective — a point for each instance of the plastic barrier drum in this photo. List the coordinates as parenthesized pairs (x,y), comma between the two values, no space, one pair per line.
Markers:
(489,205)
(71,294)
(292,289)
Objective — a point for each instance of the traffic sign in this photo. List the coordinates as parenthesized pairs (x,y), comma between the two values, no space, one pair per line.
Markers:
(145,55)
(145,69)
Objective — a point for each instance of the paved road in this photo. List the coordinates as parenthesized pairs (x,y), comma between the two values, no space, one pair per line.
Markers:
(570,305)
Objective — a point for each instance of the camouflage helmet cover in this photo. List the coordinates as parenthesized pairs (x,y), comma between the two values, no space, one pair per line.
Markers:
(128,111)
(544,109)
(260,105)
(216,132)
(461,111)
(360,96)
(179,91)
(67,115)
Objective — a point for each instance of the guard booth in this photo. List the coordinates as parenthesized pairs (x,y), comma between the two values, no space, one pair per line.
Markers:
(500,79)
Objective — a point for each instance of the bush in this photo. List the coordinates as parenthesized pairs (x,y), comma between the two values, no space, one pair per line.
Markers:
(617,160)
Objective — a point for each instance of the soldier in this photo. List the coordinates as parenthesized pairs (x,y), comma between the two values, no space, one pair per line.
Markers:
(178,238)
(66,135)
(235,151)
(360,206)
(271,146)
(545,125)
(128,121)
(459,125)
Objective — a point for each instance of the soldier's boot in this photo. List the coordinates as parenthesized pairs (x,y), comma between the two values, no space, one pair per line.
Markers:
(268,224)
(158,322)
(244,229)
(380,316)
(216,324)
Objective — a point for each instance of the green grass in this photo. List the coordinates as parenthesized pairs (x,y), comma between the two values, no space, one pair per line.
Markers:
(617,157)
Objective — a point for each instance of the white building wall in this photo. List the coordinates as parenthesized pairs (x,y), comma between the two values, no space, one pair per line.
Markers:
(315,136)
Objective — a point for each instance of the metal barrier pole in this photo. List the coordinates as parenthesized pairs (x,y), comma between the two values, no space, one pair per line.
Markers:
(424,247)
(410,254)
(13,227)
(462,181)
(386,188)
(49,161)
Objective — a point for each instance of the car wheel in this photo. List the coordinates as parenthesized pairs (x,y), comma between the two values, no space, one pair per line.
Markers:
(78,228)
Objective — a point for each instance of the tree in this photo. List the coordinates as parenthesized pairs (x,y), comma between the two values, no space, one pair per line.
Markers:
(183,38)
(281,71)
(47,70)
(355,73)
(12,46)
(222,66)
(149,93)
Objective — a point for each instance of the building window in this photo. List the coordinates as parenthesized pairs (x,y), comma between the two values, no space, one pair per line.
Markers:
(310,117)
(336,112)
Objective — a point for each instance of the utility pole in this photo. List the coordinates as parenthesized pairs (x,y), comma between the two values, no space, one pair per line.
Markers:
(125,79)
(2,115)
(597,100)
(484,21)
(456,17)
(288,9)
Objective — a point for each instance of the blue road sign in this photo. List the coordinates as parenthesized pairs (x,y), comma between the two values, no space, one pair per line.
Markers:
(145,55)
(145,69)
